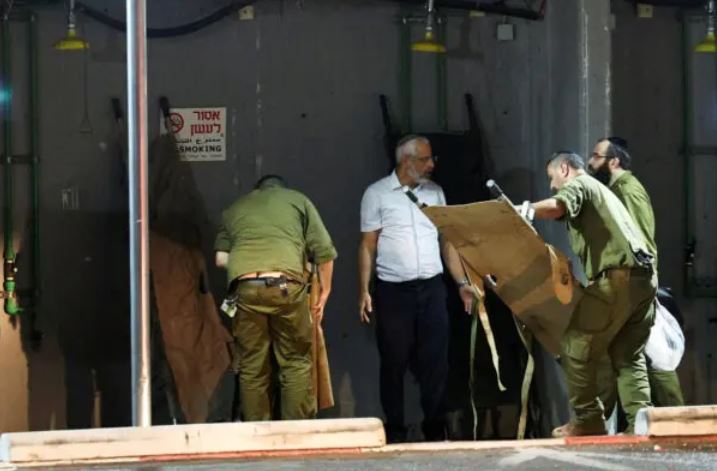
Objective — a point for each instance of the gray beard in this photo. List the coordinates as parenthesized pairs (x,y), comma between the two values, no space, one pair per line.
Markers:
(416,177)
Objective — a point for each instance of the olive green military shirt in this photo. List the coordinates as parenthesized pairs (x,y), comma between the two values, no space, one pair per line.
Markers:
(601,230)
(633,195)
(273,229)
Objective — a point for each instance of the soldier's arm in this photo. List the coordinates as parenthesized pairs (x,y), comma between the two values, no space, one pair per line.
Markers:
(550,208)
(323,253)
(567,202)
(318,240)
(326,273)
(222,246)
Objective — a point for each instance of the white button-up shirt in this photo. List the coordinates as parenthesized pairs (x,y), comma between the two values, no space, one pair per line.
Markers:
(408,247)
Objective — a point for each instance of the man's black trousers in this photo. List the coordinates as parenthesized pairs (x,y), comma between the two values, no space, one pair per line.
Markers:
(412,329)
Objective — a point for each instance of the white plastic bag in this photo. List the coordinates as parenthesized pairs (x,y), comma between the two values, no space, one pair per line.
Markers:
(666,344)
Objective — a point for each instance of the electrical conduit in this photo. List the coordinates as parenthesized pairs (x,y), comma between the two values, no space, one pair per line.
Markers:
(35,162)
(9,268)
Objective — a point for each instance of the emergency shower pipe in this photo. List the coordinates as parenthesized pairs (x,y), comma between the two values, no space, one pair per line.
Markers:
(10,291)
(9,267)
(33,117)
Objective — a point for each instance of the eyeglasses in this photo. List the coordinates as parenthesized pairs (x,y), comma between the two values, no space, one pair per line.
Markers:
(595,155)
(426,158)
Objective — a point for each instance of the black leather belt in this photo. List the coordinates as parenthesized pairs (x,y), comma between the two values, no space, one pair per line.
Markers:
(633,270)
(267,280)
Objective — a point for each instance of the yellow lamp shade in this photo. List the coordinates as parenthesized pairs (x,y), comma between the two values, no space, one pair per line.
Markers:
(429,45)
(72,42)
(708,44)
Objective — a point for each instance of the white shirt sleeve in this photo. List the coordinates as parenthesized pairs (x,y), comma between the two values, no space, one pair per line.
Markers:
(441,197)
(370,211)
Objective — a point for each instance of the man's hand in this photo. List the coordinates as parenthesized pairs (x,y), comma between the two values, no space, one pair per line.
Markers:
(366,260)
(323,280)
(467,295)
(365,307)
(317,310)
(526,211)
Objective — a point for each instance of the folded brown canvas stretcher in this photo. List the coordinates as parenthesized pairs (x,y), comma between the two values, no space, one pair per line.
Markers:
(500,248)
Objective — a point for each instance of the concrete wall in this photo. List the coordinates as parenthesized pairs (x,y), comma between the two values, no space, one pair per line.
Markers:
(648,109)
(301,84)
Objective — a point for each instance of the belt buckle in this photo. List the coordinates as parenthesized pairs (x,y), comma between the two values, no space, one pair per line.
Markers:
(280,282)
(283,286)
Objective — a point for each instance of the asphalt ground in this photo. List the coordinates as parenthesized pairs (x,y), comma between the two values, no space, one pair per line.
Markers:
(692,455)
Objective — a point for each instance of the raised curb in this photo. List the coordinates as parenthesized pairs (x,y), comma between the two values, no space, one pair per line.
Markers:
(190,441)
(676,421)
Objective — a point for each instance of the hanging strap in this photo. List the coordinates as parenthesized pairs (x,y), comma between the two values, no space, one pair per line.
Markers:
(526,337)
(471,375)
(412,196)
(479,313)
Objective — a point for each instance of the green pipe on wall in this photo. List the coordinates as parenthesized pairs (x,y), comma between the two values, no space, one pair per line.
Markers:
(686,161)
(9,268)
(34,75)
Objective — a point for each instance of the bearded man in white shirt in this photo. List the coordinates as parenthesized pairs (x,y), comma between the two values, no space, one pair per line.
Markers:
(409,296)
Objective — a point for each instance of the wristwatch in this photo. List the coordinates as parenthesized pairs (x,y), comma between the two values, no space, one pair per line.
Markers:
(464,282)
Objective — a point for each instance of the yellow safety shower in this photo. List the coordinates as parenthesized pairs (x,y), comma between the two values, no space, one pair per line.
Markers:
(72,41)
(708,44)
(429,43)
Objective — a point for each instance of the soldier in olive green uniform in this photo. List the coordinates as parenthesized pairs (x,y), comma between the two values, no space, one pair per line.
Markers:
(609,163)
(616,312)
(264,242)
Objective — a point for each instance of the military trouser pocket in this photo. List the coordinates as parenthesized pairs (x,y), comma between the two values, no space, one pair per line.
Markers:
(595,311)
(576,346)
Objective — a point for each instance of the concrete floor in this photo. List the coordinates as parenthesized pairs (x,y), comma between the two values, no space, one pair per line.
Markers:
(609,458)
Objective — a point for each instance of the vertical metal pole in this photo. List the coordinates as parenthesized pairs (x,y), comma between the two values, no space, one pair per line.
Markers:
(138,209)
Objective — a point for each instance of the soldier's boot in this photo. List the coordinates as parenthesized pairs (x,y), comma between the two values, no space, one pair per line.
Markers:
(572,429)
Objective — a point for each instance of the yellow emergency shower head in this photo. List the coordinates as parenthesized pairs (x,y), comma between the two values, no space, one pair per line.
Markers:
(429,43)
(71,42)
(708,44)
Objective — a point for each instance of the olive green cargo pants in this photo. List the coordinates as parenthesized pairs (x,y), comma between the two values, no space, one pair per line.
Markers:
(665,389)
(270,320)
(614,317)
